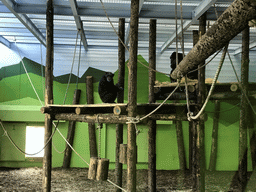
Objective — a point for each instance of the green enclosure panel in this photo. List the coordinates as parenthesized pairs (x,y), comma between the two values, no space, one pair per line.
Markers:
(17,132)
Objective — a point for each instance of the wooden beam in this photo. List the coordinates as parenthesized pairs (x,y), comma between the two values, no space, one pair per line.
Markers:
(132,97)
(234,19)
(120,99)
(47,160)
(71,133)
(242,168)
(215,130)
(199,174)
(151,98)
(114,119)
(91,126)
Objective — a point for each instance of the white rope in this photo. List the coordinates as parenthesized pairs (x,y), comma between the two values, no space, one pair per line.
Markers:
(213,85)
(72,147)
(71,70)
(240,85)
(116,185)
(102,4)
(28,74)
(17,147)
(162,102)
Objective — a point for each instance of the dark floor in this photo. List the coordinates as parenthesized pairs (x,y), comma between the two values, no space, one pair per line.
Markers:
(75,180)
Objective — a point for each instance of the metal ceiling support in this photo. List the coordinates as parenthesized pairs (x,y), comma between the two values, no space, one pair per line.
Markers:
(127,36)
(239,50)
(25,21)
(5,41)
(79,23)
(196,13)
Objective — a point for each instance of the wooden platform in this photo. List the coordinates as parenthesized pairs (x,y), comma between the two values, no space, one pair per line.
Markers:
(222,91)
(115,112)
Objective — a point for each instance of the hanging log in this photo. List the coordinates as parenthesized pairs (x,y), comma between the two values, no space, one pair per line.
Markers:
(102,169)
(234,19)
(91,126)
(120,99)
(132,97)
(47,160)
(92,172)
(215,129)
(152,123)
(71,133)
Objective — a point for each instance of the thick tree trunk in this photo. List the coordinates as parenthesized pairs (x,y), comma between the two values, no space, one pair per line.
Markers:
(229,24)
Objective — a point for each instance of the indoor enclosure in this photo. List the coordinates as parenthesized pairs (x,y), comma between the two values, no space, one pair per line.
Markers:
(164,132)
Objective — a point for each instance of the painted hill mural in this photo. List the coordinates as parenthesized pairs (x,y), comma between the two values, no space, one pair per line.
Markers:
(38,69)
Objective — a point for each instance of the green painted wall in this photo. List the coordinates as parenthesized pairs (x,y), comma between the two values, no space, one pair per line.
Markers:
(19,107)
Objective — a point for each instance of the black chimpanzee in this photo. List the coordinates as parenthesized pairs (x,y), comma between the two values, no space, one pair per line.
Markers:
(107,90)
(192,75)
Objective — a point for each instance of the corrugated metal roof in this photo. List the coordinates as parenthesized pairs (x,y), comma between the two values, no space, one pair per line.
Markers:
(101,39)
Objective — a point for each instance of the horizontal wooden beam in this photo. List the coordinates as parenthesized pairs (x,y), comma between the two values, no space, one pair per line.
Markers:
(115,119)
(91,109)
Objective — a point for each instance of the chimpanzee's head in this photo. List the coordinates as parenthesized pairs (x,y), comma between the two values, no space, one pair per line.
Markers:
(109,76)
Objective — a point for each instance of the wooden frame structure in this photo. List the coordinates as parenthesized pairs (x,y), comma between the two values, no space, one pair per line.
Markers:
(86,113)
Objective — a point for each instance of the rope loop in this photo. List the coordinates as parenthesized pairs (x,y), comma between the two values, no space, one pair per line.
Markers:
(99,125)
(134,120)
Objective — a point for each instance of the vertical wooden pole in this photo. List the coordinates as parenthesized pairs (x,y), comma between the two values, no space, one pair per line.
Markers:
(199,177)
(192,127)
(212,165)
(120,99)
(242,168)
(47,160)
(132,98)
(71,133)
(151,99)
(91,126)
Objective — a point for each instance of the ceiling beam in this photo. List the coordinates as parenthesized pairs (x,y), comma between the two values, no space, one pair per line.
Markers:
(25,21)
(239,50)
(79,23)
(196,13)
(5,41)
(127,33)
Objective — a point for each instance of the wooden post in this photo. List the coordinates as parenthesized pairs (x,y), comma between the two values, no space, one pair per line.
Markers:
(47,160)
(242,168)
(151,99)
(234,19)
(192,126)
(120,99)
(132,97)
(199,174)
(212,166)
(71,133)
(91,126)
